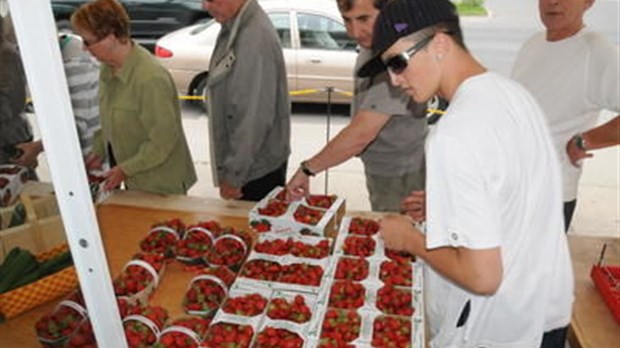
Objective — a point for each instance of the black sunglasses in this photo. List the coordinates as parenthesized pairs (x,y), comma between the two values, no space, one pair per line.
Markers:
(398,63)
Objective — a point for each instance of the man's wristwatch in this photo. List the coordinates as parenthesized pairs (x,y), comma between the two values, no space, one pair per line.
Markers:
(580,142)
(305,169)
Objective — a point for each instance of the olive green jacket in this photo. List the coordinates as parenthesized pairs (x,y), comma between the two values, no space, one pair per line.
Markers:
(141,120)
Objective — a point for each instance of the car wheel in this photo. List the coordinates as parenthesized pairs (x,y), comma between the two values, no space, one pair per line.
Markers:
(200,83)
(64,26)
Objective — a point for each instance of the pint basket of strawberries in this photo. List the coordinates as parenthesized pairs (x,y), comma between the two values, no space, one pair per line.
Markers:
(56,328)
(249,305)
(207,290)
(391,331)
(295,310)
(275,337)
(163,237)
(197,241)
(228,250)
(143,325)
(340,327)
(260,225)
(183,333)
(224,335)
(139,278)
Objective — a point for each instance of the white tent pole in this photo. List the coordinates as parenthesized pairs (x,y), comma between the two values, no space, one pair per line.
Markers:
(38,43)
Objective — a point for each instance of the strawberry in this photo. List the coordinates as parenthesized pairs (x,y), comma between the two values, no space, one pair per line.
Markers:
(227,335)
(347,294)
(274,247)
(391,300)
(59,324)
(272,337)
(179,339)
(140,335)
(321,201)
(274,208)
(262,270)
(353,268)
(296,311)
(227,252)
(302,273)
(260,226)
(339,328)
(391,332)
(359,246)
(307,215)
(396,273)
(318,251)
(249,305)
(83,336)
(362,226)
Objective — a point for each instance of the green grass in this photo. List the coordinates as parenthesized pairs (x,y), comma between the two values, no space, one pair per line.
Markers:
(471,8)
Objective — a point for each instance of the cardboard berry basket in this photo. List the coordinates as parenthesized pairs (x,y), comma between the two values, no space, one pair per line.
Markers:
(17,301)
(289,218)
(56,328)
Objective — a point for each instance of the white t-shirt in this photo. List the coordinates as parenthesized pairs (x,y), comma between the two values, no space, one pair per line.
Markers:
(572,80)
(493,180)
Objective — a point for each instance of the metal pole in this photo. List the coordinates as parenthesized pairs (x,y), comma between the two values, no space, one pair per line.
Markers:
(38,42)
(330,89)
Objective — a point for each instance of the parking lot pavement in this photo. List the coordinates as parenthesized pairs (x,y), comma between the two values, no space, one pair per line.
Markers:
(597,214)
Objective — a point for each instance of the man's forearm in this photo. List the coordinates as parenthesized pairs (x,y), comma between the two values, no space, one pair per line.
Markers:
(478,271)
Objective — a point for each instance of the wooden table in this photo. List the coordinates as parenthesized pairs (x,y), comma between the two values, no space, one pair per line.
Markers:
(125,217)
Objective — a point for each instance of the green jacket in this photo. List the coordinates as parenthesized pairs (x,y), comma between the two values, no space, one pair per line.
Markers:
(141,120)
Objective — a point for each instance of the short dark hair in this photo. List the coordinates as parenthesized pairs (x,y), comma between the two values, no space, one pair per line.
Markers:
(347,5)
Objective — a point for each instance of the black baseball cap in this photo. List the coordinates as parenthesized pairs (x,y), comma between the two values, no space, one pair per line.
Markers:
(399,18)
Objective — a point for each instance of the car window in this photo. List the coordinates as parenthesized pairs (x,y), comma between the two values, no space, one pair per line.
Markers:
(319,32)
(282,22)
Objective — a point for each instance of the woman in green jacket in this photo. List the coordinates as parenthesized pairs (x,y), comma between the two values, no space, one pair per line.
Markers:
(141,128)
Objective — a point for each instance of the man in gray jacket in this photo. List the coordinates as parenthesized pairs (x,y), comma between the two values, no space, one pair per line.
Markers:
(249,108)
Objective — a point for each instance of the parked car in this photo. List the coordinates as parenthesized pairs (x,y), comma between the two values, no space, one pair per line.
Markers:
(317,50)
(150,19)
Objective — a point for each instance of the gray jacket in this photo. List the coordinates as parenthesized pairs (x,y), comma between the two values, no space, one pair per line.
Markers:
(249,108)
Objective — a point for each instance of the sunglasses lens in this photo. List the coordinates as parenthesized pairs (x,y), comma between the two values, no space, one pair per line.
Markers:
(397,64)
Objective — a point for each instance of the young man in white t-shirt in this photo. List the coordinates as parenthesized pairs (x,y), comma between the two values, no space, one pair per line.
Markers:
(498,267)
(574,74)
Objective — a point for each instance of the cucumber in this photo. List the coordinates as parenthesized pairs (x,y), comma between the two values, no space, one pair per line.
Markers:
(22,265)
(55,264)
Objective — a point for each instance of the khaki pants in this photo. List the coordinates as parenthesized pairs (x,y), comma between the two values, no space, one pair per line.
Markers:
(387,192)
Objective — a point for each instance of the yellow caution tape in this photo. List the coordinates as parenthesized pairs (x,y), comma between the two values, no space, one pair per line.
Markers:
(436,111)
(304,91)
(191,97)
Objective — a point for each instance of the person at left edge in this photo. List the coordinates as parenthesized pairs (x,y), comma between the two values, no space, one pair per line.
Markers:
(141,128)
(248,103)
